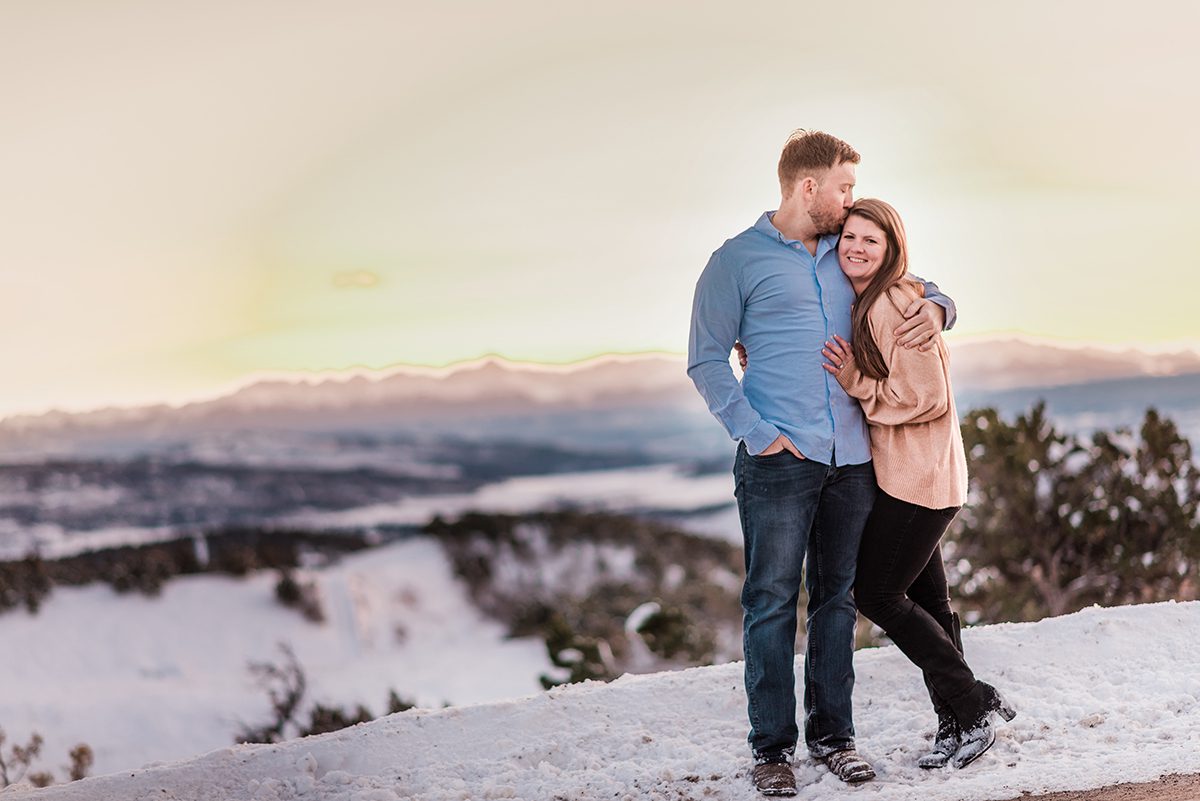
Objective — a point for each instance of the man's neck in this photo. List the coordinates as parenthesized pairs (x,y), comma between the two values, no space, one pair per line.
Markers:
(794,223)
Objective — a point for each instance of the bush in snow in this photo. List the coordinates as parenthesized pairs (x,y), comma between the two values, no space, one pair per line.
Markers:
(669,632)
(303,597)
(398,704)
(573,578)
(146,570)
(322,719)
(24,582)
(15,765)
(286,685)
(82,760)
(578,655)
(1057,522)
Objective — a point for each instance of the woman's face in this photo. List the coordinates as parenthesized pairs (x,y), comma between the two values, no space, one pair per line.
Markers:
(861,250)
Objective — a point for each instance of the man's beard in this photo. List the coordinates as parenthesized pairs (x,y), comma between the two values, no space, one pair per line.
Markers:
(828,221)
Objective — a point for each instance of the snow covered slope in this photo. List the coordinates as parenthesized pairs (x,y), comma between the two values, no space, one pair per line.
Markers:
(150,679)
(1104,695)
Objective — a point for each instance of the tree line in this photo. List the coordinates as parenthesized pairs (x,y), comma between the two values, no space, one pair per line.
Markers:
(1058,521)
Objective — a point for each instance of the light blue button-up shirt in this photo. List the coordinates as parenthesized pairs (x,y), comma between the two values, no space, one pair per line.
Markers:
(782,303)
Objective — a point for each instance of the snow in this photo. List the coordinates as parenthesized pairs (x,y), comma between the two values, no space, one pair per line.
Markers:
(1105,695)
(664,488)
(573,569)
(723,524)
(149,679)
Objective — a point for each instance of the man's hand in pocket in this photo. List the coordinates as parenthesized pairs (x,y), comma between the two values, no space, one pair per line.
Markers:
(781,443)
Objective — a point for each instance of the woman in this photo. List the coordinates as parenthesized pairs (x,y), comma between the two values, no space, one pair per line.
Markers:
(921,469)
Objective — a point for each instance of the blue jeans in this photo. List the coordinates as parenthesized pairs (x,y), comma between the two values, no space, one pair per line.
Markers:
(792,509)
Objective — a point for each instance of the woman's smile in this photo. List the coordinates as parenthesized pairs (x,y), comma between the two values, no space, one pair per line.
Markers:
(861,249)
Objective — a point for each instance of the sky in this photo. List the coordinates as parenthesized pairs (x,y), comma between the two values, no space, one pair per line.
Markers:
(196,193)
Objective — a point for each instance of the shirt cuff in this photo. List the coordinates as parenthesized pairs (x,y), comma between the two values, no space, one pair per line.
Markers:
(951,311)
(760,437)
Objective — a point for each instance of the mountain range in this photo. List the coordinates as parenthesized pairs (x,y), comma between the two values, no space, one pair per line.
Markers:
(408,398)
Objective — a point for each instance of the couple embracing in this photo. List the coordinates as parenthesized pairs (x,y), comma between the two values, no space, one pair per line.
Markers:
(850,463)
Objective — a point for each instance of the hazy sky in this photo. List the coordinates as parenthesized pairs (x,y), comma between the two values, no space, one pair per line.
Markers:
(195,192)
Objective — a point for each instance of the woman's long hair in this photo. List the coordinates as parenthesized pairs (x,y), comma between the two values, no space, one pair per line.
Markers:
(891,272)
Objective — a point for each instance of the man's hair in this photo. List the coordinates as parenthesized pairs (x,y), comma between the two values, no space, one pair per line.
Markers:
(811,153)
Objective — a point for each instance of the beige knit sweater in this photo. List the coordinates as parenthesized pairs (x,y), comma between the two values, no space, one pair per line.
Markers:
(916,443)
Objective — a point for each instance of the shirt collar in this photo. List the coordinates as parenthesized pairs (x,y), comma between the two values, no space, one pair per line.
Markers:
(765,226)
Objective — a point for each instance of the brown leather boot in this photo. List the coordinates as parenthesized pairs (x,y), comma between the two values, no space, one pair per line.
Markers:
(848,766)
(774,778)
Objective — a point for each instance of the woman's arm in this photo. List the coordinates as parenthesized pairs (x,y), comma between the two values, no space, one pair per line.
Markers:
(915,391)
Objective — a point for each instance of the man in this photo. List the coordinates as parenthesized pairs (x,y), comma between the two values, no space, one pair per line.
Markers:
(803,477)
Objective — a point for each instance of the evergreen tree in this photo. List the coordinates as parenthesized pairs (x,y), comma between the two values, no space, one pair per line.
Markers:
(1056,522)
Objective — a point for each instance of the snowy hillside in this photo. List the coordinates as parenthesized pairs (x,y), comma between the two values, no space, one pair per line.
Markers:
(148,679)
(1104,696)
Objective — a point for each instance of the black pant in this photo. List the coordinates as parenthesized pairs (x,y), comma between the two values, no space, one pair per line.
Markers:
(901,586)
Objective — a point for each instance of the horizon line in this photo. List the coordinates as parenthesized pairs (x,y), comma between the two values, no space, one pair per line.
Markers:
(319,375)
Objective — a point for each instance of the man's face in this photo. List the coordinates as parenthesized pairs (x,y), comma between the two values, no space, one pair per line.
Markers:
(833,198)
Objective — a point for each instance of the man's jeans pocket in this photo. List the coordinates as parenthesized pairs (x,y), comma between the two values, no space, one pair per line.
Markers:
(775,476)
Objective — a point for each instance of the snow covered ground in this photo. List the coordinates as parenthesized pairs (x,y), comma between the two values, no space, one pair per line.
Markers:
(150,679)
(1105,695)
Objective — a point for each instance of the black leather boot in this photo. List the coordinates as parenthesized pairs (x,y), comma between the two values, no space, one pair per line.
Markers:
(946,740)
(974,713)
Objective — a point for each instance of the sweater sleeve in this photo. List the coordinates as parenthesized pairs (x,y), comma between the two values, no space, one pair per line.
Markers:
(915,390)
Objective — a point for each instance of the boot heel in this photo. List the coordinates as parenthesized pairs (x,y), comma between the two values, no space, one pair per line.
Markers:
(999,705)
